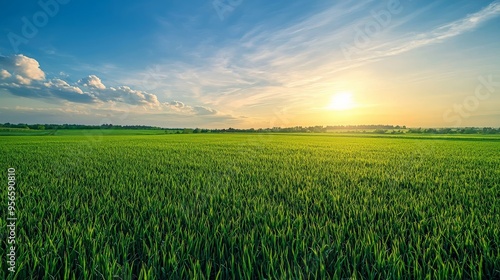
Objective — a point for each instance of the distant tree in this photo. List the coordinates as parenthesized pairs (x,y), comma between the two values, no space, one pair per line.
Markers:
(415,130)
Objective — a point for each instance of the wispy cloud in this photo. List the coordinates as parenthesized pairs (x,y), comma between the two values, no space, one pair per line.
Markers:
(443,32)
(290,65)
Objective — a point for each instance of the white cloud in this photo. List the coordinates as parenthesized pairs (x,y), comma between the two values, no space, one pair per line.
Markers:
(28,82)
(92,81)
(22,80)
(21,69)
(4,74)
(201,110)
(59,84)
(127,95)
(28,67)
(176,104)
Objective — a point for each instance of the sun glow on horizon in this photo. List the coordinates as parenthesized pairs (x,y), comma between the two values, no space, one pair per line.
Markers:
(341,101)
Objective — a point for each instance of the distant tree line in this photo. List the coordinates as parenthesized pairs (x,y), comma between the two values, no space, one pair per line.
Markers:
(464,130)
(200,130)
(306,129)
(74,126)
(377,129)
(366,127)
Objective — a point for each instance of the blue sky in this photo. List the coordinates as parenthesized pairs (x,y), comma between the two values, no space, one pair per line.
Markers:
(247,63)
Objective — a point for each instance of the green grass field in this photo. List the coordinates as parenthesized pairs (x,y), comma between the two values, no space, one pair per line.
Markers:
(238,206)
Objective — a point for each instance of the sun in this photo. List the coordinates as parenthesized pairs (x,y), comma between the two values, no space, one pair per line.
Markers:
(341,101)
